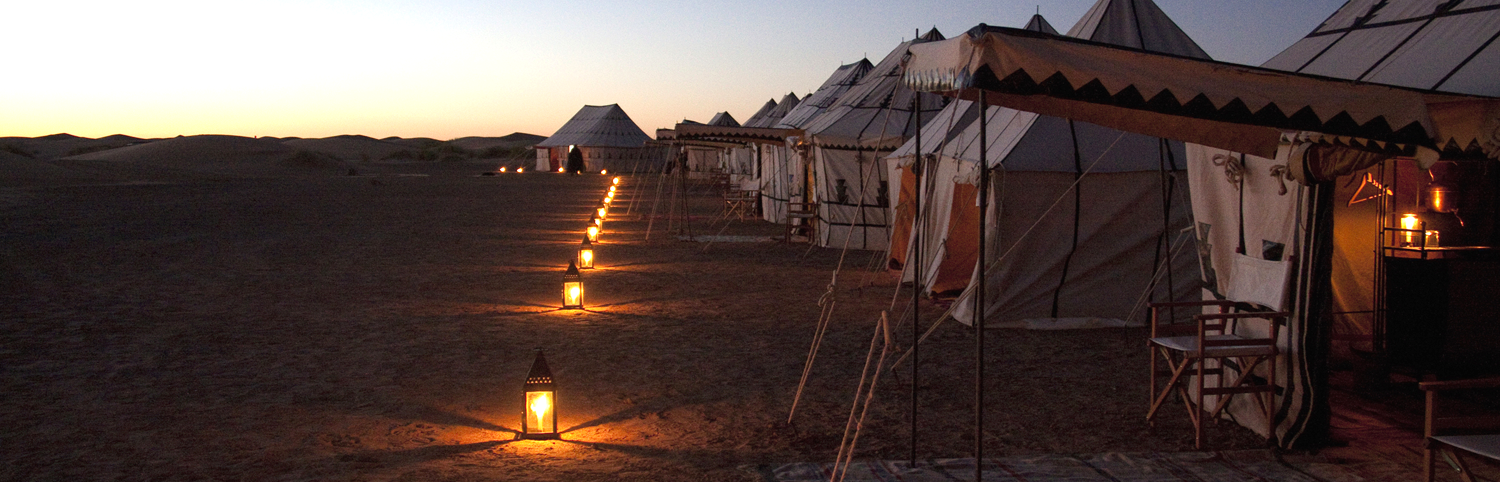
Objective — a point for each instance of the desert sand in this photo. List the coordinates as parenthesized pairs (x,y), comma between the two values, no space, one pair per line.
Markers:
(263,320)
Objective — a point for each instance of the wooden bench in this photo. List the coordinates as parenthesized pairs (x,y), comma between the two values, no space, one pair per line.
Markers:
(801,219)
(1455,427)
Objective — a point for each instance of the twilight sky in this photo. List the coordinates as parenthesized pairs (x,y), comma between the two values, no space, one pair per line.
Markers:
(453,68)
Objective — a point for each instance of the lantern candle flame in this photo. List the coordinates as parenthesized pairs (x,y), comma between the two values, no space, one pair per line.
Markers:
(1408,223)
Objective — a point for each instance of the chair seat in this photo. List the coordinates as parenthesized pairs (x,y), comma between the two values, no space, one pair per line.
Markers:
(1487,445)
(1188,344)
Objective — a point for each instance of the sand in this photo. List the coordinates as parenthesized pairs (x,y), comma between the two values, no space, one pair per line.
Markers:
(379,327)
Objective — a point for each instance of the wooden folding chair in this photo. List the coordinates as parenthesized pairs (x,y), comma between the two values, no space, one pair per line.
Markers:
(1455,433)
(740,202)
(800,219)
(1192,351)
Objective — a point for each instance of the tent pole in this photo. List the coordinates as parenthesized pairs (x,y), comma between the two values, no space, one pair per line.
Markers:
(916,276)
(984,204)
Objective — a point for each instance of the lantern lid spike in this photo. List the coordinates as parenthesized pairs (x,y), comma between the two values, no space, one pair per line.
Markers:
(572,271)
(586,242)
(540,377)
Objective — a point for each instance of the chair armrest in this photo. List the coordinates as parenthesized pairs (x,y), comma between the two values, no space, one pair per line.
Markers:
(1172,304)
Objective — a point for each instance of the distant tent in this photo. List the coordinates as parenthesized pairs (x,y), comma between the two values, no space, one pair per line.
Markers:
(723,119)
(783,172)
(759,116)
(778,111)
(1087,261)
(607,138)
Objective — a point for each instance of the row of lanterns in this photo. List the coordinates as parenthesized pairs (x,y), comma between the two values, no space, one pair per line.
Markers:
(522,169)
(540,404)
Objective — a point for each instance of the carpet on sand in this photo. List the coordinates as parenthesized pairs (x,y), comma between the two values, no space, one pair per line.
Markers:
(1241,465)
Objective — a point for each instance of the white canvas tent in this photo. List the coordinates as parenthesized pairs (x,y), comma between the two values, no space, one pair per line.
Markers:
(1307,131)
(759,116)
(1081,256)
(847,142)
(783,170)
(606,137)
(777,112)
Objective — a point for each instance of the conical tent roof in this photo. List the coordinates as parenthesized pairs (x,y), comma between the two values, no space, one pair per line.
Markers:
(1039,24)
(760,115)
(1030,142)
(598,126)
(723,119)
(776,113)
(1446,46)
(878,110)
(817,102)
(1138,24)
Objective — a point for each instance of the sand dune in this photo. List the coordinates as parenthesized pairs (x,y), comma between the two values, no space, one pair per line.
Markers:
(57,146)
(215,154)
(475,143)
(348,147)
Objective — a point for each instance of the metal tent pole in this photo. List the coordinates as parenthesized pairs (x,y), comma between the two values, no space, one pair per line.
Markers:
(984,204)
(916,274)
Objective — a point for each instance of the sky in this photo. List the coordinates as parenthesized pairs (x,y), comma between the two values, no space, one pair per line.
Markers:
(453,68)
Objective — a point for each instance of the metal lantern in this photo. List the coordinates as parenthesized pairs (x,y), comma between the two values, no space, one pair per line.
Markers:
(617,181)
(593,233)
(561,170)
(540,420)
(604,172)
(572,288)
(1409,223)
(520,169)
(502,168)
(602,210)
(586,254)
(596,221)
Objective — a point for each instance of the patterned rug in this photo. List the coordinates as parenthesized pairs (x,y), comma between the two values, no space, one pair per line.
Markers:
(1243,465)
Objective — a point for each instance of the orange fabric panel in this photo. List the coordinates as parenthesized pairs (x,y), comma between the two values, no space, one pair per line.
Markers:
(902,225)
(961,249)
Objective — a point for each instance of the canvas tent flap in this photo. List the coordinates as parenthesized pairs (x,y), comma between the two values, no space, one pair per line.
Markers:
(1234,107)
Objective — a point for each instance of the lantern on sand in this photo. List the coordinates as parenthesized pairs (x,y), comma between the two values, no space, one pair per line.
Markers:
(520,169)
(604,172)
(602,210)
(561,170)
(616,181)
(572,289)
(502,168)
(540,421)
(593,233)
(586,254)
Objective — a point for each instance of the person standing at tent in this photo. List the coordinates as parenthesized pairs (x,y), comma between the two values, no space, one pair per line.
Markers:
(575,160)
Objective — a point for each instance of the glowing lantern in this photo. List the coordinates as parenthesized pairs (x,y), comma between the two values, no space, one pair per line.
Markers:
(598,223)
(617,181)
(572,289)
(586,254)
(593,234)
(502,168)
(540,420)
(604,172)
(520,169)
(1409,223)
(561,170)
(602,211)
